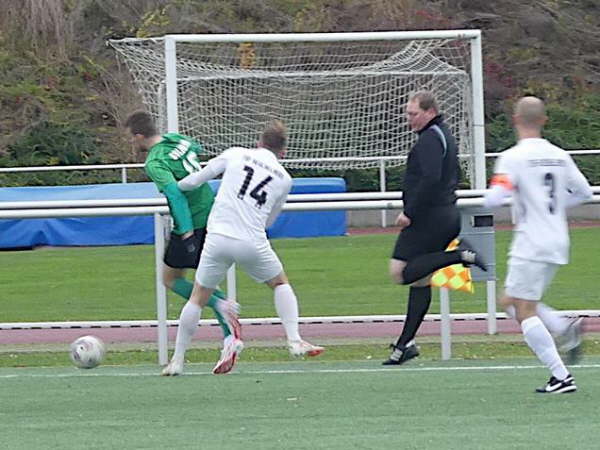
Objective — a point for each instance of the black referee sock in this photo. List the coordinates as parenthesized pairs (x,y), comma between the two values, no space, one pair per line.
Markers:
(425,265)
(419,299)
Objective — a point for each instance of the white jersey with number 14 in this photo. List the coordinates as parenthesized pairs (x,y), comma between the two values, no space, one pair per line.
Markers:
(541,178)
(253,190)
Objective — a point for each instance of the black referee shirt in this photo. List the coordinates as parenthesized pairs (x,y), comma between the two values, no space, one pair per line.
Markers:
(432,170)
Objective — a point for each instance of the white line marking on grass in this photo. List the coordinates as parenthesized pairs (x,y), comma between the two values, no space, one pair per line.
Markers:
(291,371)
(415,369)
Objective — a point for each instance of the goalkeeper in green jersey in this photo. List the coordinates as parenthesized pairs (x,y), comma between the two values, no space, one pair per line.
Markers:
(171,157)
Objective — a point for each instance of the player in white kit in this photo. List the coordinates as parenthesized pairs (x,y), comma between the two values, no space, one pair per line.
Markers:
(253,191)
(543,181)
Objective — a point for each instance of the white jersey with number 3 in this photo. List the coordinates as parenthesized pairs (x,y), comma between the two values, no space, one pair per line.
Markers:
(253,190)
(541,177)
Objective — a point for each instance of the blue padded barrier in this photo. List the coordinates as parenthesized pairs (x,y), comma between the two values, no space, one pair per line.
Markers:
(140,229)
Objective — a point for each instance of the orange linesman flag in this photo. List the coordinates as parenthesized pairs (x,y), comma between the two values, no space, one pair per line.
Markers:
(456,277)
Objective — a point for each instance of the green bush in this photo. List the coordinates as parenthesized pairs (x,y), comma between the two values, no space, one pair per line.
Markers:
(50,144)
(74,177)
(573,127)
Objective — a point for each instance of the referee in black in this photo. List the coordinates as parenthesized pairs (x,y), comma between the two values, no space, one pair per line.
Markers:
(430,219)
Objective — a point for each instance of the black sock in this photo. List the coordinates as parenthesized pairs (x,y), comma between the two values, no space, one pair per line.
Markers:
(419,299)
(424,265)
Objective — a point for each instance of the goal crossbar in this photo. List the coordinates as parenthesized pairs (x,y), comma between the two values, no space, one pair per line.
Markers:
(317,37)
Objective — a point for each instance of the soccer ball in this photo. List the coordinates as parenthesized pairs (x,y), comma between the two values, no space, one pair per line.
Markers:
(87,352)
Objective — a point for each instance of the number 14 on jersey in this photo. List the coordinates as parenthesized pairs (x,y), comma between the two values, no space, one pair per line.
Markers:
(258,193)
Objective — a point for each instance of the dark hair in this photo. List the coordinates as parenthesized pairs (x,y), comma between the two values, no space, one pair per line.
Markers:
(274,136)
(140,122)
(426,100)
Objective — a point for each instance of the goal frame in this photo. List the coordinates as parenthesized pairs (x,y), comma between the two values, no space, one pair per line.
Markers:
(476,71)
(472,98)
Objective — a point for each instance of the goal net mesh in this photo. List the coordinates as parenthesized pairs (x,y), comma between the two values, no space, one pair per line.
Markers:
(343,102)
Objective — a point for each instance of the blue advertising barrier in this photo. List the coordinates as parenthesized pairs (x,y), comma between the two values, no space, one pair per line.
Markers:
(130,230)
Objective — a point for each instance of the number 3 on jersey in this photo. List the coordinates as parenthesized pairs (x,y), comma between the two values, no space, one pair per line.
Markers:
(257,193)
(550,184)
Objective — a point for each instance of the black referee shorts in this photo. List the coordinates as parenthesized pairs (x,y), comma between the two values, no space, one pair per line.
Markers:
(178,257)
(430,232)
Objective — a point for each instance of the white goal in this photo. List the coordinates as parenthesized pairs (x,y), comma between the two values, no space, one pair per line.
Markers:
(341,94)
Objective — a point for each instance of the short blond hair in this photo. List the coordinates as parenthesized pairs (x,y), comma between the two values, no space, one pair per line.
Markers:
(274,136)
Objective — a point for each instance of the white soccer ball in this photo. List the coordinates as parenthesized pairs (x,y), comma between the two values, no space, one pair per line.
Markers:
(87,352)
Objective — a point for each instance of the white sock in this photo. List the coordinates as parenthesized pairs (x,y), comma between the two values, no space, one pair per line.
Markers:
(511,311)
(286,306)
(540,341)
(188,322)
(556,324)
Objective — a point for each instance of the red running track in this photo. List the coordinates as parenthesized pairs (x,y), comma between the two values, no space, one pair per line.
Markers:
(265,332)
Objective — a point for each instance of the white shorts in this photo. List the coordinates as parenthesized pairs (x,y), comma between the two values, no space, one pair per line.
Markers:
(528,279)
(257,259)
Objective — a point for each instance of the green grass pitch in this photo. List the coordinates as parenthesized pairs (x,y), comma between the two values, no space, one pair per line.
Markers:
(303,405)
(482,399)
(331,276)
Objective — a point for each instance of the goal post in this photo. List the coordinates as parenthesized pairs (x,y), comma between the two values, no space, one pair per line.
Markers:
(342,95)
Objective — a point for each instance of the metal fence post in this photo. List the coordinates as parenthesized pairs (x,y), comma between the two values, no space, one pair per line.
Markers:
(445,326)
(382,188)
(161,291)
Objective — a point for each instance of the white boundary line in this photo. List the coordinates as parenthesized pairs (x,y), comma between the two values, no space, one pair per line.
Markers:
(290,371)
(270,320)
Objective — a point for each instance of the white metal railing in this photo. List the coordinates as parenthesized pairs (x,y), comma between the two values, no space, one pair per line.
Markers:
(124,167)
(382,167)
(295,202)
(99,208)
(62,208)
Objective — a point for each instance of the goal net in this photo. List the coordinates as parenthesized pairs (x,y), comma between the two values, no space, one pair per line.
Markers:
(342,100)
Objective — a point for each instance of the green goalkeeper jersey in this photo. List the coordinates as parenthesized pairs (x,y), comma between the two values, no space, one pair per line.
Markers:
(172,159)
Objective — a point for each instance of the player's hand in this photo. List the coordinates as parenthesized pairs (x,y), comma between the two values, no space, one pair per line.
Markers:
(402,221)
